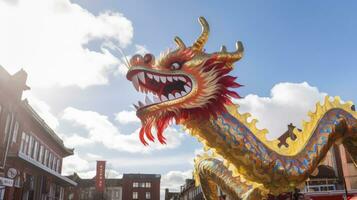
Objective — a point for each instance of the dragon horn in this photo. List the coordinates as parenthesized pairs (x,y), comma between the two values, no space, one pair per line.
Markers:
(233,56)
(224,49)
(200,42)
(179,43)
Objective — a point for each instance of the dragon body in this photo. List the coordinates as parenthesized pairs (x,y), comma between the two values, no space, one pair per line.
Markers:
(193,88)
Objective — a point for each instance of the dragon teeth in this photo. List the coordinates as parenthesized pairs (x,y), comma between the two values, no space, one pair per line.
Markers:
(156,99)
(150,76)
(141,76)
(139,80)
(157,78)
(187,88)
(171,96)
(163,98)
(163,79)
(148,100)
(182,79)
(141,104)
(135,82)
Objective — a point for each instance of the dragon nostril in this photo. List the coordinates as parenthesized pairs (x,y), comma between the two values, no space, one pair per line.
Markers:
(136,59)
(149,58)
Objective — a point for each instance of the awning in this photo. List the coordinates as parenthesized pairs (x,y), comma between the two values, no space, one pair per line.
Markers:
(47,170)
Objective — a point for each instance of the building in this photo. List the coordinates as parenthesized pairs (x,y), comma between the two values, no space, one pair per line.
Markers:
(130,187)
(189,191)
(171,195)
(141,186)
(86,190)
(30,152)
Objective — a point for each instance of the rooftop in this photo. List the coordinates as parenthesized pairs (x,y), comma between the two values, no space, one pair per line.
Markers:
(153,176)
(27,107)
(110,181)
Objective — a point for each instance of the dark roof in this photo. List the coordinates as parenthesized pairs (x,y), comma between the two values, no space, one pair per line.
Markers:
(27,107)
(171,195)
(4,75)
(189,183)
(15,84)
(324,171)
(138,176)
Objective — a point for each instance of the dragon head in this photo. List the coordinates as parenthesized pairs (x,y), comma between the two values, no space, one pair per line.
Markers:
(186,83)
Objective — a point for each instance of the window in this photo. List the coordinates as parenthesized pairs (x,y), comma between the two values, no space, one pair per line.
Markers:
(148,185)
(50,160)
(58,165)
(35,150)
(7,127)
(29,151)
(142,185)
(23,142)
(147,195)
(14,134)
(135,195)
(40,157)
(46,158)
(54,163)
(135,184)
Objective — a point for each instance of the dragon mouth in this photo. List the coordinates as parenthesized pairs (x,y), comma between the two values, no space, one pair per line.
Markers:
(166,88)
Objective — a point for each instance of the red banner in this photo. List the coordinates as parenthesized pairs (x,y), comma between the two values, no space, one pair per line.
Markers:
(100,177)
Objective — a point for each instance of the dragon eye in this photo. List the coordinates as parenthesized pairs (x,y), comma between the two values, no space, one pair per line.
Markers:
(175,65)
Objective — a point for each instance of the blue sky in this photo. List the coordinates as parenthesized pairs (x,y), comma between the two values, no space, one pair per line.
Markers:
(295,53)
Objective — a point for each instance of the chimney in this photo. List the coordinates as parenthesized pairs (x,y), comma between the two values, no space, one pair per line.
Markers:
(19,83)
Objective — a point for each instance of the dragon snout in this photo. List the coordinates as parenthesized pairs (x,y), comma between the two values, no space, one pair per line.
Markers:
(139,60)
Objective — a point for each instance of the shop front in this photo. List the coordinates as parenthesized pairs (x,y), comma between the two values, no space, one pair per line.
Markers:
(34,182)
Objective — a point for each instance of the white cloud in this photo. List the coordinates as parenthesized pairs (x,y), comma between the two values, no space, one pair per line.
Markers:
(101,130)
(152,161)
(43,109)
(76,140)
(288,103)
(173,180)
(75,164)
(50,38)
(93,157)
(126,117)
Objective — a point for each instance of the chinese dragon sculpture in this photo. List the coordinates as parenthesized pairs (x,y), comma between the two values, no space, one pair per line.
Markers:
(192,88)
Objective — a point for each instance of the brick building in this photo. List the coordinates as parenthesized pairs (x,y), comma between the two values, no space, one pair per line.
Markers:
(171,195)
(189,191)
(130,187)
(141,186)
(30,152)
(85,190)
